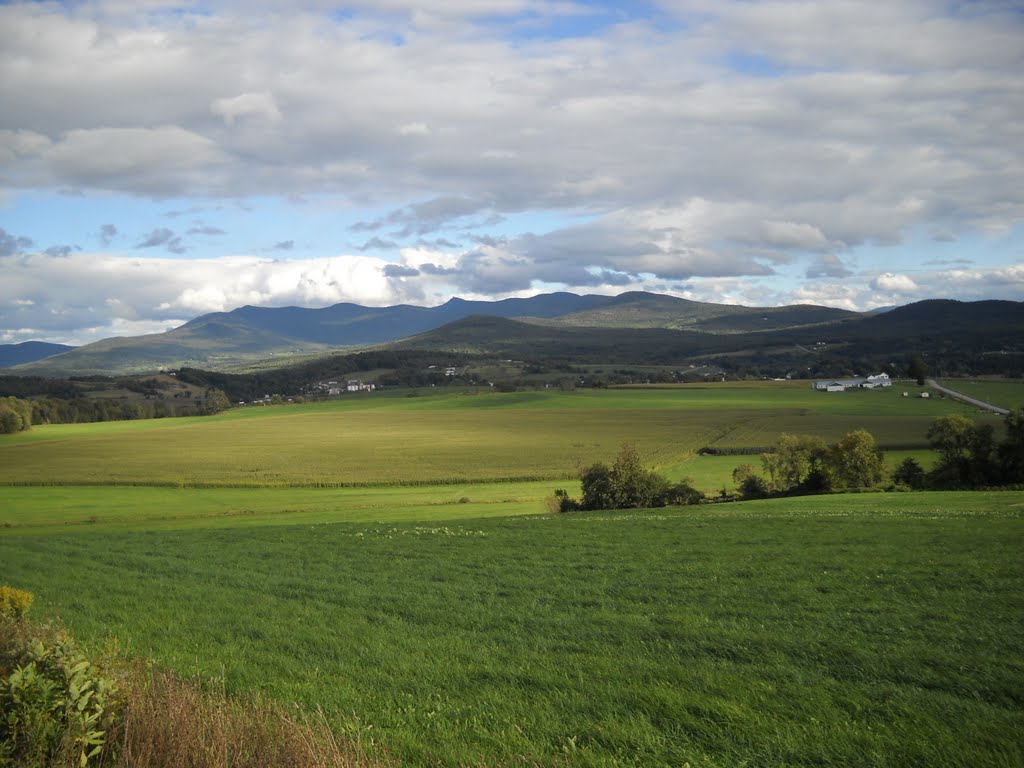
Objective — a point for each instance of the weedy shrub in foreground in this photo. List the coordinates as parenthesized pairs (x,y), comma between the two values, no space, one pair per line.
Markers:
(14,603)
(55,706)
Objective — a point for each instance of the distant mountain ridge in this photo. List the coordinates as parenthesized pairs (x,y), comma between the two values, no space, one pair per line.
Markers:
(938,329)
(556,324)
(29,352)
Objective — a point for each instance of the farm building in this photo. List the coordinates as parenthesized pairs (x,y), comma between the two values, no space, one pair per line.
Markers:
(355,385)
(840,385)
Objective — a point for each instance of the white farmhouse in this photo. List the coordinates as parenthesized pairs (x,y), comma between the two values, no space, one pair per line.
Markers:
(841,385)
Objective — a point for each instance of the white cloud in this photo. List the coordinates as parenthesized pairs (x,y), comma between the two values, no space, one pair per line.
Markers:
(892,283)
(94,294)
(413,129)
(260,104)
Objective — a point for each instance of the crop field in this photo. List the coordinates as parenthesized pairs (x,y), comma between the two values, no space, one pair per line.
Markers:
(462,437)
(870,630)
(101,509)
(390,561)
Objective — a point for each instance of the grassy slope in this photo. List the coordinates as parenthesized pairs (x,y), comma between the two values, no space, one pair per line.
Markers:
(487,436)
(871,630)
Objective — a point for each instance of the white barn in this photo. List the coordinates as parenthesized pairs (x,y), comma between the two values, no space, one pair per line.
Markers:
(840,385)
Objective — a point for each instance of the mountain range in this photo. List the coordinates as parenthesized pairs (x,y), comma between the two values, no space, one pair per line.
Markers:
(633,325)
(29,352)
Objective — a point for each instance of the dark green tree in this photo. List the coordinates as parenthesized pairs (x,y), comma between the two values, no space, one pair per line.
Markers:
(910,474)
(598,487)
(918,369)
(627,485)
(966,452)
(1011,449)
(215,401)
(797,462)
(750,484)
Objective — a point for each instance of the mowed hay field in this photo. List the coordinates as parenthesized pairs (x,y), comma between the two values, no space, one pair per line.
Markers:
(438,615)
(455,437)
(867,630)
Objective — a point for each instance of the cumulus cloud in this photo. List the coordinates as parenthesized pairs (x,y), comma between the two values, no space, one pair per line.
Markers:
(709,154)
(87,296)
(892,283)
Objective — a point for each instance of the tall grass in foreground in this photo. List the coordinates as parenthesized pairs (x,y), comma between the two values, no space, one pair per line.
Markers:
(172,723)
(148,718)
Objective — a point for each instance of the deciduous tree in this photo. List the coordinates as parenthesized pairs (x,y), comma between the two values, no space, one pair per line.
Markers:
(855,461)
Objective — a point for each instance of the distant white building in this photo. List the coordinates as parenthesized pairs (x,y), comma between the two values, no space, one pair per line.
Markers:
(840,385)
(355,385)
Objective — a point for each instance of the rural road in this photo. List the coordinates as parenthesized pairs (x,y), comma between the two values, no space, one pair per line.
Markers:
(966,398)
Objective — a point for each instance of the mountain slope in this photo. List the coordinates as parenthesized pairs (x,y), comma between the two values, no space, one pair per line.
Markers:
(248,334)
(29,352)
(944,331)
(648,310)
(633,326)
(353,325)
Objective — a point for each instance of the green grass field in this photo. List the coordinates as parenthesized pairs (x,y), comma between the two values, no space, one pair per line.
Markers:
(454,622)
(870,630)
(1006,393)
(454,437)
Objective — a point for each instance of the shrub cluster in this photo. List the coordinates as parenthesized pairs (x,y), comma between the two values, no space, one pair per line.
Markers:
(625,485)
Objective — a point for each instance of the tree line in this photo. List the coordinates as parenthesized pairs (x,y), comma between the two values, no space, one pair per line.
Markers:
(20,414)
(969,457)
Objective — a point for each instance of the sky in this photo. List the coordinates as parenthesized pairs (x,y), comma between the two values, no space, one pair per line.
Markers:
(162,160)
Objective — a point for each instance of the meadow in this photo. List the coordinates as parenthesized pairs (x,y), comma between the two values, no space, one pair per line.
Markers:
(873,629)
(389,560)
